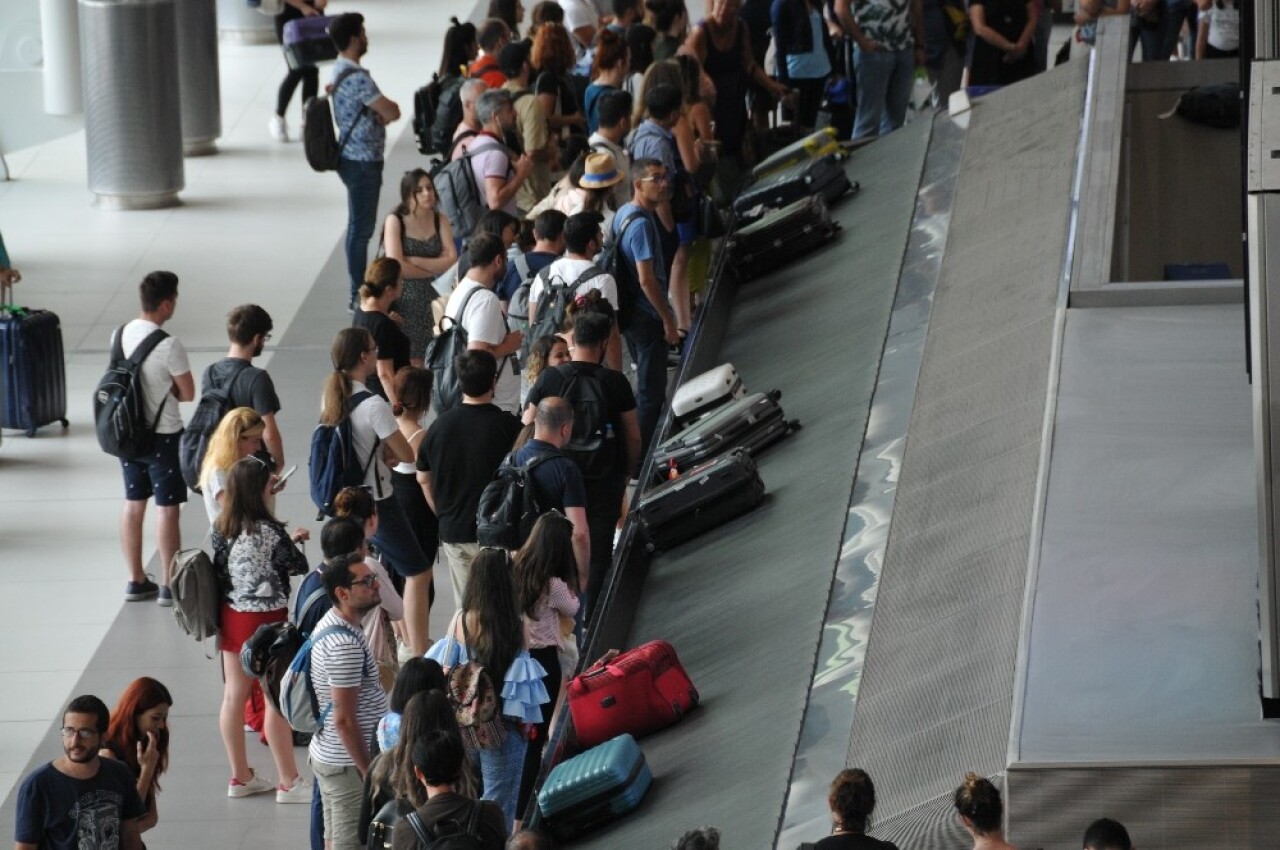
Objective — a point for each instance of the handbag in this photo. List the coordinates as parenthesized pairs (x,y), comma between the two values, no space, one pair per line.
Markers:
(472,695)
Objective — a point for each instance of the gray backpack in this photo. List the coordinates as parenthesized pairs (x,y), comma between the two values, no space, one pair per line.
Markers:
(197,592)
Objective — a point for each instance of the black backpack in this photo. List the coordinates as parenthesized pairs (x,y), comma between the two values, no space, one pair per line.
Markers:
(590,447)
(448,834)
(319,142)
(445,113)
(509,504)
(214,403)
(552,307)
(441,354)
(120,404)
(612,262)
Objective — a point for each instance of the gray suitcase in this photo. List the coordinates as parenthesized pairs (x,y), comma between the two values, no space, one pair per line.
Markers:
(752,422)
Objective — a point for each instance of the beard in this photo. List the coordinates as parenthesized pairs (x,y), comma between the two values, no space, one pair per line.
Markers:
(78,754)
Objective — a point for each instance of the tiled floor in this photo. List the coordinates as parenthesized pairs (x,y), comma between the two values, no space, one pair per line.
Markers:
(256,224)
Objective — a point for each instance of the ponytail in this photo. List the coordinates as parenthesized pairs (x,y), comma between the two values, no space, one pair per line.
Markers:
(348,347)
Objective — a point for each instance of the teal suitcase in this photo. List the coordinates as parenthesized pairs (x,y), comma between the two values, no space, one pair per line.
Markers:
(595,787)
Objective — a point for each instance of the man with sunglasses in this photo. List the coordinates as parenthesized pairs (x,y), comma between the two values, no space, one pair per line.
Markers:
(80,801)
(345,677)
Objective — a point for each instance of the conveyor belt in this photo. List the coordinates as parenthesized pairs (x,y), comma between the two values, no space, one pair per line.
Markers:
(744,604)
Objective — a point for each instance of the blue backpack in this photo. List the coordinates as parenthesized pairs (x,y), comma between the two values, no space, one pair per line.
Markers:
(298,701)
(334,463)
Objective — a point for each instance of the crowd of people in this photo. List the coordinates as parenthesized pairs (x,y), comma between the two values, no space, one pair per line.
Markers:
(603,130)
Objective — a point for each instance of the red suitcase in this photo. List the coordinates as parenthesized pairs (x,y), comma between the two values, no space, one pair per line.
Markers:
(639,691)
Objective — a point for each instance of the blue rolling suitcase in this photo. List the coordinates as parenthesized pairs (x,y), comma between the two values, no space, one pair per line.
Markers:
(595,787)
(33,374)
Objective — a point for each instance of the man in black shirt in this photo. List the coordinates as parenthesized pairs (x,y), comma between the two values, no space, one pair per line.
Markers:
(458,457)
(604,404)
(249,329)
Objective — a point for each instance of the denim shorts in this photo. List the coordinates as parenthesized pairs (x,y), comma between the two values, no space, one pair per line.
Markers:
(157,474)
(396,542)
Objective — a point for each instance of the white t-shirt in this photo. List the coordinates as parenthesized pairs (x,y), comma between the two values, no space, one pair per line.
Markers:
(1224,27)
(483,321)
(166,362)
(373,417)
(569,269)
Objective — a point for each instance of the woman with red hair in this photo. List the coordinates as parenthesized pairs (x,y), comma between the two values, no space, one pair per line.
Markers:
(138,735)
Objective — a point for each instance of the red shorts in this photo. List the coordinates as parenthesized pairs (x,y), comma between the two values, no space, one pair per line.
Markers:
(236,627)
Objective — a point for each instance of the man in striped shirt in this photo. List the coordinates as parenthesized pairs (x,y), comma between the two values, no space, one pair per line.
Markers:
(345,679)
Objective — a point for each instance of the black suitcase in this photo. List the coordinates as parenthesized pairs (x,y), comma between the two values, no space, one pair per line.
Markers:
(752,422)
(823,176)
(33,380)
(708,495)
(781,236)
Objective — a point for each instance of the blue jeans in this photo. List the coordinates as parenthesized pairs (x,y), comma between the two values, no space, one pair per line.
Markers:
(500,770)
(364,185)
(648,347)
(885,79)
(317,818)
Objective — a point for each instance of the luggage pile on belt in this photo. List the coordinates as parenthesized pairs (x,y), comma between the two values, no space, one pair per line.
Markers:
(705,475)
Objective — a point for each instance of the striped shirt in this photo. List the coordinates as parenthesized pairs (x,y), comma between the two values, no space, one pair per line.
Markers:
(343,660)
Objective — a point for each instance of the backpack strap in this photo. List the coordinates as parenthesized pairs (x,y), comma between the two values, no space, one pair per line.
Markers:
(473,820)
(140,354)
(590,273)
(462,308)
(312,598)
(419,829)
(328,631)
(338,81)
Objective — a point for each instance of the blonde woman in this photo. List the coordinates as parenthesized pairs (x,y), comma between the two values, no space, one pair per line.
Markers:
(238,435)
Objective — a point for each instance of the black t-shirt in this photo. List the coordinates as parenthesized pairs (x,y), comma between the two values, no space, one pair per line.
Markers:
(617,392)
(58,812)
(253,387)
(852,841)
(450,806)
(392,343)
(557,481)
(462,450)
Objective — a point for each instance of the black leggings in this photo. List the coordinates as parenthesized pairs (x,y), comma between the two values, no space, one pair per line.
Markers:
(310,79)
(549,658)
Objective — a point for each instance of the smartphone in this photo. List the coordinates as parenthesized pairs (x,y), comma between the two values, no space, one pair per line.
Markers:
(279,485)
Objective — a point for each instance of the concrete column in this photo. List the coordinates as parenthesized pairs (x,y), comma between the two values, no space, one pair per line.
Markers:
(132,116)
(198,76)
(60,40)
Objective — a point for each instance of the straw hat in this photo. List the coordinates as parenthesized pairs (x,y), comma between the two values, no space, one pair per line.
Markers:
(601,172)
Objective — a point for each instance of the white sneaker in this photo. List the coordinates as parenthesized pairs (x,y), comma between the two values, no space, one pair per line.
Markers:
(279,131)
(256,785)
(298,792)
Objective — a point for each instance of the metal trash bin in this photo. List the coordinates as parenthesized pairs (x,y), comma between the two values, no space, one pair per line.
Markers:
(132,114)
(239,24)
(198,76)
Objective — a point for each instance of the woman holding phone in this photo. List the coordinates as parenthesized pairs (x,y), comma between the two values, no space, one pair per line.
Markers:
(139,737)
(259,555)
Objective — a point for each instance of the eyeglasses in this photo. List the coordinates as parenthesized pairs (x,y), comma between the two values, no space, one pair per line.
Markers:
(73,732)
(266,337)
(656,178)
(368,581)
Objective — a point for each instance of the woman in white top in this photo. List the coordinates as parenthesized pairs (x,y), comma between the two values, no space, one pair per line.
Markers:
(238,435)
(377,441)
(1218,32)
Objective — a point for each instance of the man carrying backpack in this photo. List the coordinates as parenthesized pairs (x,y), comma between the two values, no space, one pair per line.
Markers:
(548,245)
(362,111)
(497,177)
(557,481)
(474,306)
(577,272)
(237,383)
(345,678)
(437,764)
(166,380)
(605,439)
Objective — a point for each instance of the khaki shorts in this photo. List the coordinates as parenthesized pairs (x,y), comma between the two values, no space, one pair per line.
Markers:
(340,794)
(459,556)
